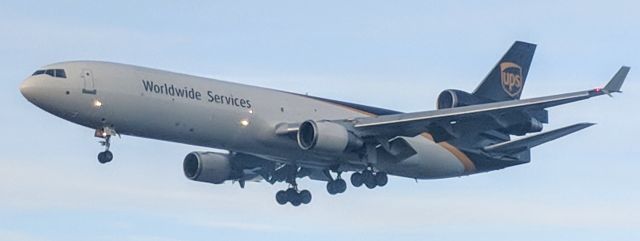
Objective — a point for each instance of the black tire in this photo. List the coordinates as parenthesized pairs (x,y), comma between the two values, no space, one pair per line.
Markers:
(105,157)
(305,196)
(340,186)
(108,156)
(290,194)
(357,179)
(381,179)
(370,181)
(101,158)
(331,187)
(295,199)
(281,197)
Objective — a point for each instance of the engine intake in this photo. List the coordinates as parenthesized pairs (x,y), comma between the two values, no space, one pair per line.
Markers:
(326,137)
(208,167)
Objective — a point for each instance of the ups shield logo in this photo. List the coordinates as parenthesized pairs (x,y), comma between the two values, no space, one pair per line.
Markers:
(511,77)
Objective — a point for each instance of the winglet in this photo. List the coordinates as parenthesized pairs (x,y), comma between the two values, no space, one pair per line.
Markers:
(615,83)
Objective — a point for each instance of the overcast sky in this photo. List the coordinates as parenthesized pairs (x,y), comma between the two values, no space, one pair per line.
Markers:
(392,54)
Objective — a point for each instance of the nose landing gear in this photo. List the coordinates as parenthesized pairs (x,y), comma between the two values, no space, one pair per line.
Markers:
(105,133)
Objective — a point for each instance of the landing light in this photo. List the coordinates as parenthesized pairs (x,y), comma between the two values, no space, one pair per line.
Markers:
(244,122)
(97,103)
(100,133)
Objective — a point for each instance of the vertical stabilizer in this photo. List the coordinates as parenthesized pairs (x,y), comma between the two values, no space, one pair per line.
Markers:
(506,80)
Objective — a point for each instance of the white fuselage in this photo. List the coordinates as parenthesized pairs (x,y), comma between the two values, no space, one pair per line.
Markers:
(213,113)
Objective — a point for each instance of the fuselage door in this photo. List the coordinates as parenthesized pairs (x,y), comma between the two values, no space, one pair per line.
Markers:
(89,85)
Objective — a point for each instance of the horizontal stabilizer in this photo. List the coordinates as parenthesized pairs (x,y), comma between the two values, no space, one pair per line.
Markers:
(522,144)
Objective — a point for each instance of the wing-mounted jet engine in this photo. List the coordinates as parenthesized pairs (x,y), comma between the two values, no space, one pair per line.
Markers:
(327,137)
(216,168)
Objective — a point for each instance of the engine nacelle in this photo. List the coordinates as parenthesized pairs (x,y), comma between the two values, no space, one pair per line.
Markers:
(456,98)
(327,137)
(209,167)
(533,125)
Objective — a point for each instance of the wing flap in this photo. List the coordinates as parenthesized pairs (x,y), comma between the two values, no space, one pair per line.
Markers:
(522,144)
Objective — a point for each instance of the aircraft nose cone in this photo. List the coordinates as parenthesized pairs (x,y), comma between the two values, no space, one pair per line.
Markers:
(30,90)
(26,89)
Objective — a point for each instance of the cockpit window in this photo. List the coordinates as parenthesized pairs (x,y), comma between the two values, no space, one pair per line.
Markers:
(59,73)
(38,72)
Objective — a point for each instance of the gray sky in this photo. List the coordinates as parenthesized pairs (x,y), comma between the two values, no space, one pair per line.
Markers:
(396,55)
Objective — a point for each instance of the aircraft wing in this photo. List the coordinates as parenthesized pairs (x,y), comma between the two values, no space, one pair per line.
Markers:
(412,124)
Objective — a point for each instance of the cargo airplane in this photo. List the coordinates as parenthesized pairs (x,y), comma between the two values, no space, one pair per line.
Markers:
(277,136)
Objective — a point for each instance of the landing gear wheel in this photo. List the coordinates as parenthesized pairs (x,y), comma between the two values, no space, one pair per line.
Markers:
(101,158)
(105,157)
(381,179)
(295,199)
(305,196)
(331,187)
(370,180)
(281,197)
(340,185)
(336,186)
(357,179)
(290,193)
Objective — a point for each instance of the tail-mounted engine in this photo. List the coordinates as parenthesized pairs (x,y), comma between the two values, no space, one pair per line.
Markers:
(456,98)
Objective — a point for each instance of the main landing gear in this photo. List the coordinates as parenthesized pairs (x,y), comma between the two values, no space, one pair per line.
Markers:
(369,178)
(293,195)
(105,133)
(336,186)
